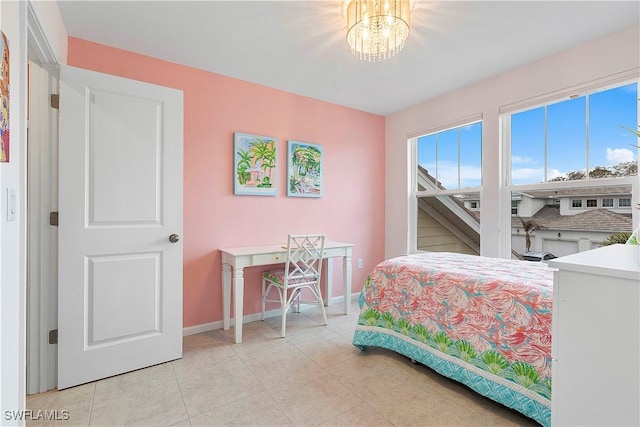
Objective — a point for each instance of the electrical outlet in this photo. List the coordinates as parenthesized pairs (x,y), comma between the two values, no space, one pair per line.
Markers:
(359,262)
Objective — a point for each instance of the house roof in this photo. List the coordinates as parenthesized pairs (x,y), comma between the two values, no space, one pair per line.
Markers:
(465,220)
(620,190)
(548,216)
(591,220)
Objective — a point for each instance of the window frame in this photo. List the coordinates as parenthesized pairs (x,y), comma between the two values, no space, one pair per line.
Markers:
(415,194)
(507,188)
(496,165)
(625,206)
(514,206)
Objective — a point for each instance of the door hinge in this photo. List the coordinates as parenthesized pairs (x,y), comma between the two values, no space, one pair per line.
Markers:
(53,336)
(55,101)
(53,218)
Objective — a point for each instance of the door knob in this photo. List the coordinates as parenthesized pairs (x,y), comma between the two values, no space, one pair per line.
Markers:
(174,238)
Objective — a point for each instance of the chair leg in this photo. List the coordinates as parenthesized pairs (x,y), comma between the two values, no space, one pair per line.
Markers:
(324,313)
(318,294)
(283,304)
(299,292)
(295,299)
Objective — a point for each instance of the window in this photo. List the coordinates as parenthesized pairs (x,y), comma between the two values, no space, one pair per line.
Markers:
(448,161)
(575,150)
(576,139)
(452,157)
(514,207)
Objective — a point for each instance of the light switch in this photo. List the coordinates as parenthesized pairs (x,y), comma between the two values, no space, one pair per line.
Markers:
(11,204)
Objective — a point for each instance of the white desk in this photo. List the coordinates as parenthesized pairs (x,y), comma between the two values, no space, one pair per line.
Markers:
(237,259)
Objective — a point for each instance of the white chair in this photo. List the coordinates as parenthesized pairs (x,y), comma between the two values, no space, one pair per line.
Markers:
(303,268)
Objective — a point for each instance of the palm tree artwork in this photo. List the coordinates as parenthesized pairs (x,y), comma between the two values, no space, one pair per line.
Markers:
(255,166)
(304,169)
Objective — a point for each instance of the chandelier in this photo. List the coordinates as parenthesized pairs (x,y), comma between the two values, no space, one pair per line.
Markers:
(377,29)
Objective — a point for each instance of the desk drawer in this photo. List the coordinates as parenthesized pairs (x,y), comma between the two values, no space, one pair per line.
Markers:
(266,259)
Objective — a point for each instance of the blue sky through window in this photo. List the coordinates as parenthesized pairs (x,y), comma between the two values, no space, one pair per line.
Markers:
(609,144)
(459,151)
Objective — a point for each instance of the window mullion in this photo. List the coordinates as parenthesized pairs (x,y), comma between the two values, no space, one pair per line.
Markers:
(546,142)
(458,158)
(586,134)
(437,172)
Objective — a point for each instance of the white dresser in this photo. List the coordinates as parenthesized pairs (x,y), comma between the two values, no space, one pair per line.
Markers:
(596,338)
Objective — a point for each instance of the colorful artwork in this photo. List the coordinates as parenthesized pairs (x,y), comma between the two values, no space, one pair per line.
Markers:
(304,169)
(4,100)
(255,168)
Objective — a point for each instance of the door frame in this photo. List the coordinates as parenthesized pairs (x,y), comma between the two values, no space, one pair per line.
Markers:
(42,196)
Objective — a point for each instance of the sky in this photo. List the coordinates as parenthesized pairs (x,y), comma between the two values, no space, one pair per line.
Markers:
(608,143)
(446,143)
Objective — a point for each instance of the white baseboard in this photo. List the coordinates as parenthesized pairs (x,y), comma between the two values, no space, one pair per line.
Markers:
(212,326)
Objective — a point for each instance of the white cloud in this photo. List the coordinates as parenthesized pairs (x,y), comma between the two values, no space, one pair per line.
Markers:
(527,175)
(554,173)
(519,160)
(532,175)
(619,155)
(470,176)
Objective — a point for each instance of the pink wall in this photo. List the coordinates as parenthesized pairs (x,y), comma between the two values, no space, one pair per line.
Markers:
(215,106)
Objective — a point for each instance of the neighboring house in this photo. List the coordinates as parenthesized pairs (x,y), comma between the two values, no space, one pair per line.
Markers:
(445,223)
(570,221)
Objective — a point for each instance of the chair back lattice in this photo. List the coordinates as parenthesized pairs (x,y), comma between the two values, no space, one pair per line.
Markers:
(304,258)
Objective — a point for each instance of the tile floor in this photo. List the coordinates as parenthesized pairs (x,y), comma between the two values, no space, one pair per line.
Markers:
(314,376)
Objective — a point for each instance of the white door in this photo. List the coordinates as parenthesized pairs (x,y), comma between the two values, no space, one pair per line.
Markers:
(120,200)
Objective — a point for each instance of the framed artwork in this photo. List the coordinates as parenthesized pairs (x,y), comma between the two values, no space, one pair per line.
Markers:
(304,169)
(4,99)
(255,165)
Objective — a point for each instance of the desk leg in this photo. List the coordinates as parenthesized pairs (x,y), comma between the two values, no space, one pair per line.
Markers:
(329,281)
(226,296)
(238,297)
(346,280)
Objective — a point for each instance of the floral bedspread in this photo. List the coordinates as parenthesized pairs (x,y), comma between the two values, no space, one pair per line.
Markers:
(493,314)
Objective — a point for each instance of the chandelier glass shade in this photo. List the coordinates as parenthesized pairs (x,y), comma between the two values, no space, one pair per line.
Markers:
(377,29)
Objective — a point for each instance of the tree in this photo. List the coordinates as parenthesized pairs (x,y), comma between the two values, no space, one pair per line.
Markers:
(626,168)
(243,166)
(619,170)
(614,238)
(600,172)
(528,226)
(264,153)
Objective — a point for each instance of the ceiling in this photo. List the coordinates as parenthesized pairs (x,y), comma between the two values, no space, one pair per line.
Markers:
(300,46)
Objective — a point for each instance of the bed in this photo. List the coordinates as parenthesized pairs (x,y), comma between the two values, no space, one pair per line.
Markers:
(485,322)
